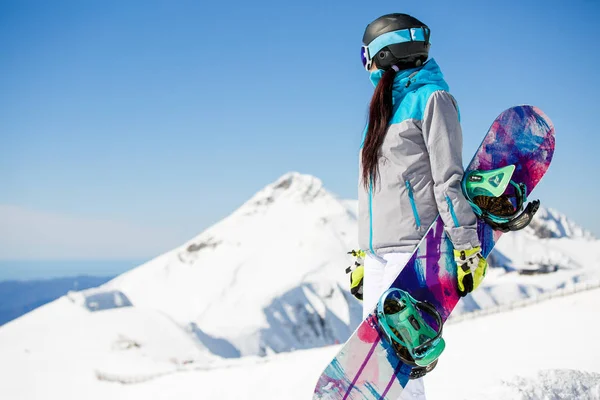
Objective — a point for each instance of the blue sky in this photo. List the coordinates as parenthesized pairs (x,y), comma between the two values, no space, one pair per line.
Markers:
(127,128)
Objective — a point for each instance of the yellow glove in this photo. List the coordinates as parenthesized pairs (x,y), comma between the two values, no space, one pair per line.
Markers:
(471,267)
(356,282)
(357,273)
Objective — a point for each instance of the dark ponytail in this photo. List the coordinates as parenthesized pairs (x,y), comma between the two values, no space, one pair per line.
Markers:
(380,112)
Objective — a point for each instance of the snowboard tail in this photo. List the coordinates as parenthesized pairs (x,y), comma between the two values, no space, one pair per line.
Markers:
(367,366)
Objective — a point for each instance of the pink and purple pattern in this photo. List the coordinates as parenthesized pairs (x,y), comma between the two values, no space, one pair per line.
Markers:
(366,367)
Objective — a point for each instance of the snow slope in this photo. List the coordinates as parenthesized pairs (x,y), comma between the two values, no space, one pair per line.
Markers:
(545,351)
(62,345)
(507,352)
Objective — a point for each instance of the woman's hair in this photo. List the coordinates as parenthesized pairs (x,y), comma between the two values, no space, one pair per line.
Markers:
(380,112)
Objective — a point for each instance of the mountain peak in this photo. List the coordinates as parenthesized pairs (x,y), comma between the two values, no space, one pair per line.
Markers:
(292,186)
(298,182)
(550,223)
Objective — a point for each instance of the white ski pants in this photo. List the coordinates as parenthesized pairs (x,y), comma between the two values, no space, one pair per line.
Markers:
(379,275)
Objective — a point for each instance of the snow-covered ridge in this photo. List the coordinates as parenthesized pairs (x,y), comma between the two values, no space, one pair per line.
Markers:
(268,278)
(551,224)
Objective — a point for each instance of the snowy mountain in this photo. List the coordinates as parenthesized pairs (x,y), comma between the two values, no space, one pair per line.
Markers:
(267,279)
(550,224)
(68,345)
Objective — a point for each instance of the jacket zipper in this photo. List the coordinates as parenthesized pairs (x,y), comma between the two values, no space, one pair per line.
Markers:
(413,205)
(452,213)
(371,218)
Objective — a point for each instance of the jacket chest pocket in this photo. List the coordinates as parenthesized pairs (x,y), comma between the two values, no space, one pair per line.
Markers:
(413,205)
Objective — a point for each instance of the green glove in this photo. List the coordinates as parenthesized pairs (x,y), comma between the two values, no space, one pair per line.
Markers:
(471,267)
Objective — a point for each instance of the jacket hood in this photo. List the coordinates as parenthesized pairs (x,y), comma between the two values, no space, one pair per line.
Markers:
(411,79)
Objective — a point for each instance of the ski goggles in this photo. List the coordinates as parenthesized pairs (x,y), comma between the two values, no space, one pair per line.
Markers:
(367,52)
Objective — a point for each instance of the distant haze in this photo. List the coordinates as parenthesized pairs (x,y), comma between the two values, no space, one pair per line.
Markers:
(47,269)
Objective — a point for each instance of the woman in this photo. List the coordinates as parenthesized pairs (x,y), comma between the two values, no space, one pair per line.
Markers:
(410,163)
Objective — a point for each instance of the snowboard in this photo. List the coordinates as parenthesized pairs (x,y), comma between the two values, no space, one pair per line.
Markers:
(366,366)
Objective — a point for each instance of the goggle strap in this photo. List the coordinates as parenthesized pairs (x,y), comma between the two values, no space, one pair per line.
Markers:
(421,34)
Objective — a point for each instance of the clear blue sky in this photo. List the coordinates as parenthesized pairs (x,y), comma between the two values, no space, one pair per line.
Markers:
(131,126)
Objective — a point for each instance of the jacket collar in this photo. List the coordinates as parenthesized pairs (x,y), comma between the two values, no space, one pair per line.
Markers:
(413,78)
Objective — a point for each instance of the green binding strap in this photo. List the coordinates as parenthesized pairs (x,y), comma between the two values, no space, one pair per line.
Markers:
(489,183)
(498,210)
(423,343)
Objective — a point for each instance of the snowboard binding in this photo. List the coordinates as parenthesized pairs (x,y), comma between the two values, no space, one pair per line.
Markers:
(414,341)
(487,193)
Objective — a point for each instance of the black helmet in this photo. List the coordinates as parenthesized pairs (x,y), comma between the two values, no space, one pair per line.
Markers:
(395,39)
